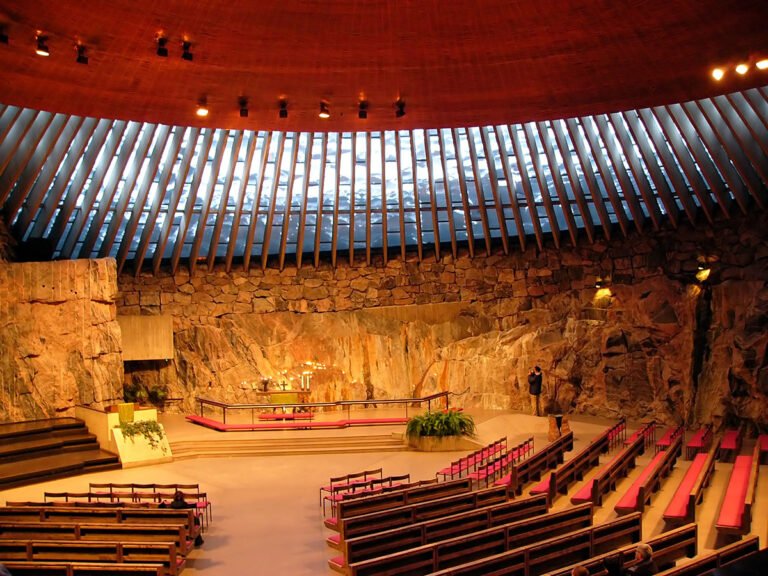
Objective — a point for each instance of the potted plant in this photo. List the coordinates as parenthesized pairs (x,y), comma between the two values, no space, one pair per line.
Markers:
(441,430)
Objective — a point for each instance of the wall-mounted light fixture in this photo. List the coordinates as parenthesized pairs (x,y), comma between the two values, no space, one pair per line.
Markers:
(243,103)
(283,113)
(399,108)
(162,46)
(324,113)
(82,57)
(42,46)
(186,50)
(362,109)
(202,108)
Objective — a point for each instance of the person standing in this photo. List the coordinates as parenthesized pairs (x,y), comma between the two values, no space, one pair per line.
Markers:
(534,388)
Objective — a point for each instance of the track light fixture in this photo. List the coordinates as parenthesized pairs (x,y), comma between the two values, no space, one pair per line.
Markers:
(186,47)
(82,58)
(283,109)
(399,108)
(42,46)
(202,108)
(362,109)
(324,112)
(162,46)
(243,103)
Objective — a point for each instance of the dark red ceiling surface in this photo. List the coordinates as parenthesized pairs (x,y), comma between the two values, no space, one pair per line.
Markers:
(453,63)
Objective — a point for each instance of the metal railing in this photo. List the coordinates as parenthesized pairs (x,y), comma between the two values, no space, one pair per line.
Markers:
(344,405)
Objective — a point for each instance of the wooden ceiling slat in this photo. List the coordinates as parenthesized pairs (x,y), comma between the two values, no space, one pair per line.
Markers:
(447,192)
(8,117)
(400,204)
(627,147)
(431,189)
(538,169)
(463,190)
(690,154)
(748,116)
(336,196)
(51,200)
(207,196)
(105,197)
(203,154)
(237,217)
(229,171)
(701,132)
(574,180)
(615,155)
(352,190)
(23,154)
(304,200)
(368,196)
(737,155)
(416,200)
(34,198)
(266,238)
(494,181)
(557,180)
(95,183)
(679,188)
(596,153)
(161,192)
(256,202)
(15,134)
(759,104)
(384,201)
(525,182)
(288,201)
(511,193)
(744,144)
(321,190)
(188,155)
(159,150)
(40,155)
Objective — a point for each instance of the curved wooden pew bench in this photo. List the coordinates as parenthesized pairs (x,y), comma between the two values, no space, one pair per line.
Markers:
(470,462)
(735,516)
(724,556)
(525,518)
(690,492)
(499,465)
(699,442)
(649,481)
(730,445)
(534,466)
(42,568)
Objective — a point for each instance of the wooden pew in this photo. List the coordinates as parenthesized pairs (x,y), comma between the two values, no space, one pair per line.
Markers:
(668,547)
(699,442)
(730,445)
(534,558)
(735,515)
(402,516)
(717,559)
(647,431)
(396,498)
(762,442)
(573,470)
(606,479)
(469,463)
(532,468)
(649,481)
(42,568)
(406,537)
(666,441)
(83,531)
(349,480)
(79,551)
(366,488)
(690,492)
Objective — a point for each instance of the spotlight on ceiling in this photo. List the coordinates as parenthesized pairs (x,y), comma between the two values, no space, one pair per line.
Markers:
(202,108)
(362,109)
(283,109)
(186,48)
(598,283)
(742,68)
(324,112)
(82,57)
(3,37)
(243,103)
(718,73)
(760,64)
(399,108)
(162,46)
(42,46)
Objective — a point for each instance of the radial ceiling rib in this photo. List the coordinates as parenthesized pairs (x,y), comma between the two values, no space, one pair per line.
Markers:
(430,188)
(401,203)
(304,201)
(384,200)
(223,197)
(237,218)
(691,154)
(522,164)
(91,192)
(288,201)
(352,191)
(161,192)
(557,180)
(19,126)
(494,182)
(511,192)
(273,199)
(539,174)
(416,199)
(320,199)
(23,154)
(185,225)
(463,191)
(740,118)
(749,118)
(369,187)
(447,193)
(256,203)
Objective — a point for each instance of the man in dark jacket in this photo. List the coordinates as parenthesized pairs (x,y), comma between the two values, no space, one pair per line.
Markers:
(645,566)
(534,388)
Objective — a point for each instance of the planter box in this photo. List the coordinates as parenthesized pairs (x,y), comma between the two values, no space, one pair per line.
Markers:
(442,443)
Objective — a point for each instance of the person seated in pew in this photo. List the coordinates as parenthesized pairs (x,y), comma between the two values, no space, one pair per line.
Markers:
(579,571)
(612,566)
(179,503)
(645,566)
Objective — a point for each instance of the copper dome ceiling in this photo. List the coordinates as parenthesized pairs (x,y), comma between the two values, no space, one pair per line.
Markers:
(452,63)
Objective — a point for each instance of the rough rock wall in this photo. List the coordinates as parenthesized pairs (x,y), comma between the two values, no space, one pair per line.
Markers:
(653,342)
(60,344)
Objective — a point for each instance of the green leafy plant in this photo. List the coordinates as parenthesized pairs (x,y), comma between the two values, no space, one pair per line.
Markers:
(149,429)
(444,423)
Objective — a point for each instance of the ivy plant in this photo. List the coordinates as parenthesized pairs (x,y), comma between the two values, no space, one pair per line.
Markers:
(149,429)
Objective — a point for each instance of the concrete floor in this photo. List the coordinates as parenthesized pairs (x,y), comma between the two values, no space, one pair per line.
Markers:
(267,519)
